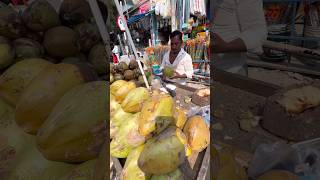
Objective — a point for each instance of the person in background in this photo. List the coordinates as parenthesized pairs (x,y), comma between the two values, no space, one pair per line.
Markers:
(239,26)
(178,58)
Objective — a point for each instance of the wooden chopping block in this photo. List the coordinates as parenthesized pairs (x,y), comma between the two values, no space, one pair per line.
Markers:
(292,127)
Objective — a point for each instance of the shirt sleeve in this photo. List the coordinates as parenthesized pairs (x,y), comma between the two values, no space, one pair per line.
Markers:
(188,66)
(252,22)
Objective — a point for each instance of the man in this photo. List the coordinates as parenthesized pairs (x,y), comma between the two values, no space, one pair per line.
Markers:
(239,26)
(177,58)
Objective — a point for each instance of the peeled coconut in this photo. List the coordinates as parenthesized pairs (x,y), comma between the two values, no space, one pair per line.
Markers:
(118,117)
(278,175)
(40,16)
(128,75)
(83,171)
(74,12)
(175,175)
(67,135)
(135,99)
(6,55)
(198,133)
(27,48)
(61,42)
(118,77)
(123,91)
(180,117)
(131,170)
(164,153)
(99,58)
(11,24)
(116,86)
(156,114)
(15,80)
(126,138)
(88,35)
(39,98)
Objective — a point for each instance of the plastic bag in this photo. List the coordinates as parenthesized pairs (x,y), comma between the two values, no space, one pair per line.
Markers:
(273,156)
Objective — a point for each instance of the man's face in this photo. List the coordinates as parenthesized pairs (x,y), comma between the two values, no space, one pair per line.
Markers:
(176,44)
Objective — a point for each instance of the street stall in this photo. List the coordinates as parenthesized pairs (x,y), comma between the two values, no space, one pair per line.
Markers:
(154,119)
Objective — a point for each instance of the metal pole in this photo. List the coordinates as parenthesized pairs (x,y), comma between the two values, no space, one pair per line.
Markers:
(99,20)
(119,8)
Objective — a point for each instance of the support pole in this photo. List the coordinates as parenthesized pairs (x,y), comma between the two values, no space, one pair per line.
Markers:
(119,8)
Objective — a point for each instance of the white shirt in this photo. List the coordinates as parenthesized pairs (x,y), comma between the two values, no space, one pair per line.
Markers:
(242,19)
(182,64)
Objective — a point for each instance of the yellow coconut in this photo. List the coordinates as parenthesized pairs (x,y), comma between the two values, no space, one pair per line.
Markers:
(15,80)
(198,133)
(134,100)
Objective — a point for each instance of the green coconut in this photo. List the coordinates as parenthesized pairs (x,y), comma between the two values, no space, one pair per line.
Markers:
(11,24)
(88,35)
(99,58)
(6,55)
(27,48)
(61,42)
(74,12)
(122,67)
(164,153)
(40,16)
(168,71)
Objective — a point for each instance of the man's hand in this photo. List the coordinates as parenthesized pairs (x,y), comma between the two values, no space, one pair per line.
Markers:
(177,75)
(220,46)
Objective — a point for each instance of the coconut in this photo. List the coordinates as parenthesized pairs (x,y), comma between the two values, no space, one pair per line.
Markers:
(156,114)
(88,35)
(118,117)
(118,77)
(198,133)
(17,78)
(122,67)
(39,99)
(6,55)
(116,86)
(61,42)
(133,65)
(175,175)
(123,91)
(180,117)
(168,71)
(128,75)
(67,135)
(27,48)
(126,138)
(164,153)
(131,169)
(111,78)
(74,12)
(83,171)
(99,57)
(40,16)
(11,24)
(134,100)
(278,175)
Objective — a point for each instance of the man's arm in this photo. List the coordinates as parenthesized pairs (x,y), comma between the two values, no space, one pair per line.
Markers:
(220,46)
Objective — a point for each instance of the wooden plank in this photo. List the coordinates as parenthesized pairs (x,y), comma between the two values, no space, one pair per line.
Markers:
(309,53)
(247,84)
(205,166)
(285,67)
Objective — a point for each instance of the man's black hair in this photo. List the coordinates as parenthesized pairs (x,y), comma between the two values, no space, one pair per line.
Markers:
(176,33)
